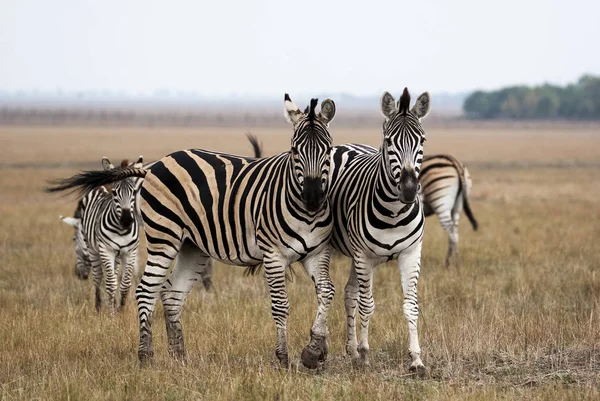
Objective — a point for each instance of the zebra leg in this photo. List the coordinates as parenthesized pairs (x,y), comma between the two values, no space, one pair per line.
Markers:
(107,256)
(448,225)
(280,307)
(128,263)
(350,302)
(452,257)
(97,274)
(366,307)
(317,268)
(186,272)
(409,263)
(160,256)
(453,236)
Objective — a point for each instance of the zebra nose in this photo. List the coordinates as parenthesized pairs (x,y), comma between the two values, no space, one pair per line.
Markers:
(126,218)
(409,186)
(312,193)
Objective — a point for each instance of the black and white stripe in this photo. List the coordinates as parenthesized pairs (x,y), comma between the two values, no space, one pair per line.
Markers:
(378,216)
(445,187)
(197,204)
(109,227)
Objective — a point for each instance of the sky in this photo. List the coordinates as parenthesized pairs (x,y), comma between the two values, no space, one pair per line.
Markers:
(260,47)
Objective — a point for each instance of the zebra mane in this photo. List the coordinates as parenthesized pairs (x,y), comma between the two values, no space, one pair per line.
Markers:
(404,102)
(310,110)
(124,163)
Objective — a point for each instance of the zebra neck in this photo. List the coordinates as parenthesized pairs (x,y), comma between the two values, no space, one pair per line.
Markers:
(386,193)
(292,189)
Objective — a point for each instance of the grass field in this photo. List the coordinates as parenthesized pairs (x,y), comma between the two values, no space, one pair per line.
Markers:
(519,320)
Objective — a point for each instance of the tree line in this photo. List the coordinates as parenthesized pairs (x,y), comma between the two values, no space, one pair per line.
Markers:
(577,101)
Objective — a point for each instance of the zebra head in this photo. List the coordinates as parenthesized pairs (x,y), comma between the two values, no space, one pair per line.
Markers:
(311,149)
(83,264)
(403,138)
(124,192)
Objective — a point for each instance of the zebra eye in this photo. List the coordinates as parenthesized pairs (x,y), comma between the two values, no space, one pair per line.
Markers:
(423,139)
(294,151)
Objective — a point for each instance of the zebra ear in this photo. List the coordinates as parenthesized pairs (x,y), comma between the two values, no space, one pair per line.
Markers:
(139,163)
(388,105)
(422,106)
(72,221)
(106,164)
(292,112)
(107,190)
(327,112)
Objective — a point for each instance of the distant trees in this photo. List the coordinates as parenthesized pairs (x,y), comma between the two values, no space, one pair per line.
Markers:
(579,101)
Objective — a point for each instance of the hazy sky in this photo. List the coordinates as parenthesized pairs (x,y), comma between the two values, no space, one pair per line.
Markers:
(268,47)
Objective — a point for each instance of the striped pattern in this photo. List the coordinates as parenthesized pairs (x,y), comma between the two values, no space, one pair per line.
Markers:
(112,232)
(378,216)
(445,187)
(198,204)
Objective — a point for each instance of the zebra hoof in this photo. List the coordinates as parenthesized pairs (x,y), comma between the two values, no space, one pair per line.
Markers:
(419,370)
(284,360)
(315,351)
(146,359)
(352,351)
(362,362)
(310,357)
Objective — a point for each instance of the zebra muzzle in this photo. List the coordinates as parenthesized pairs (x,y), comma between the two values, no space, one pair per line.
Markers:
(409,186)
(126,218)
(313,195)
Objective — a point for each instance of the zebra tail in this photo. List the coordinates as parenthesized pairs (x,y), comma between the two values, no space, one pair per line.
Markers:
(469,212)
(290,273)
(88,180)
(256,146)
(466,205)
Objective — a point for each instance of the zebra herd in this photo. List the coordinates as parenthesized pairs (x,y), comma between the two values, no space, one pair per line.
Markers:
(196,205)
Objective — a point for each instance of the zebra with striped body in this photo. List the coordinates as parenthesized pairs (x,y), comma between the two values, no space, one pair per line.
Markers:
(110,230)
(83,264)
(378,217)
(197,204)
(445,187)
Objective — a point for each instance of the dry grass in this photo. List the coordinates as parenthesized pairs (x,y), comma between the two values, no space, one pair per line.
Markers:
(519,320)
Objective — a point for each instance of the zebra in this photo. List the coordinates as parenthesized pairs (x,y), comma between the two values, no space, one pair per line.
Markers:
(83,264)
(378,217)
(197,204)
(445,186)
(110,229)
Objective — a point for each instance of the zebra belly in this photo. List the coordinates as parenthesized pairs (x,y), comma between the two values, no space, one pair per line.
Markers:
(379,245)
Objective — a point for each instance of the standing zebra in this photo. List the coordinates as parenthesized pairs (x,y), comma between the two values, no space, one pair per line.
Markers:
(445,187)
(378,217)
(111,230)
(83,264)
(197,204)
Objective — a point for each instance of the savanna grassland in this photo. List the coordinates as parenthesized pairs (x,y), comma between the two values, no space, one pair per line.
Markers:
(520,319)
